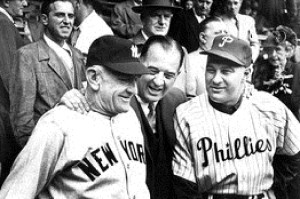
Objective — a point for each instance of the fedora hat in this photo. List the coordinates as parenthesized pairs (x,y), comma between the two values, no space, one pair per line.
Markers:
(169,4)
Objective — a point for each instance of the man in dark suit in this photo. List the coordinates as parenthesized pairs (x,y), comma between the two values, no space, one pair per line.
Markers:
(45,70)
(10,41)
(156,17)
(185,24)
(155,105)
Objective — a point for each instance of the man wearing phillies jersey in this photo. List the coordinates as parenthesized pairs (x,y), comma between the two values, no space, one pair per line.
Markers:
(95,155)
(227,137)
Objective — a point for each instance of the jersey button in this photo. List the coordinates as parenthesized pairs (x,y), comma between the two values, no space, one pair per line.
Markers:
(128,166)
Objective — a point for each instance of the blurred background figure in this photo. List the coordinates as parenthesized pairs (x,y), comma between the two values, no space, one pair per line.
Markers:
(124,22)
(187,4)
(184,26)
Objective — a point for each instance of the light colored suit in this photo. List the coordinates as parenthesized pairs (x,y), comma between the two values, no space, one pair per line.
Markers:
(39,79)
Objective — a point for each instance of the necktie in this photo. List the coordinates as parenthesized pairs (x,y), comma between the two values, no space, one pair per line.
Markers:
(152,117)
(74,36)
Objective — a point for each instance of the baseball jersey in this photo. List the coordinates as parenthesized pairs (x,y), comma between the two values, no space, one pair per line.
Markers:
(71,155)
(233,153)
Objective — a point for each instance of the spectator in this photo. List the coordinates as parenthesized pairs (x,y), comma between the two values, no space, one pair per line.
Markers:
(277,74)
(184,26)
(241,26)
(95,155)
(227,137)
(209,28)
(45,70)
(188,4)
(89,25)
(124,22)
(10,41)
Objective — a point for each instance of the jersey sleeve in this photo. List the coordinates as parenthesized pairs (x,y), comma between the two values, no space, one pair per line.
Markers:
(182,162)
(288,141)
(36,165)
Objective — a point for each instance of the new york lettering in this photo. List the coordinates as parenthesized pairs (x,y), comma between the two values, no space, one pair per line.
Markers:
(241,147)
(105,158)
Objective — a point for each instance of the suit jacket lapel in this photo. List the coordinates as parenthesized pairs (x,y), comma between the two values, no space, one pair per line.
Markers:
(54,62)
(193,23)
(77,64)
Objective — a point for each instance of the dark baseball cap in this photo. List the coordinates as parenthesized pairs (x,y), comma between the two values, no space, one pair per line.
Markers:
(232,49)
(116,54)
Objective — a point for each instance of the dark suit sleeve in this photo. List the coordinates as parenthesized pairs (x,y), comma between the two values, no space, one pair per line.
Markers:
(22,94)
(296,91)
(287,176)
(121,25)
(185,189)
(10,41)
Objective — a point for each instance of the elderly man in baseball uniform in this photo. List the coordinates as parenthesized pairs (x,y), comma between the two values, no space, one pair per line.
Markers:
(227,137)
(95,155)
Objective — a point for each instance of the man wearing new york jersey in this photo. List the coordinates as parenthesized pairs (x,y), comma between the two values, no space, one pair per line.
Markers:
(227,137)
(95,155)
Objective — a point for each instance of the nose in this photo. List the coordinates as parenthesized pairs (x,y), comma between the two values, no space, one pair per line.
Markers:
(162,19)
(217,78)
(159,79)
(67,19)
(132,88)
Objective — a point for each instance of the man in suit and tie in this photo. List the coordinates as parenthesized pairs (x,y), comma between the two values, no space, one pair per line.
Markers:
(44,71)
(184,26)
(155,105)
(10,41)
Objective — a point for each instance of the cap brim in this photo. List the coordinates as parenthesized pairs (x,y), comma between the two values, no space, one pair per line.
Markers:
(132,68)
(224,55)
(139,9)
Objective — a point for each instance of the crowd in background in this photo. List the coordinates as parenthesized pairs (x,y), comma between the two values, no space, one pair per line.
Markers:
(269,30)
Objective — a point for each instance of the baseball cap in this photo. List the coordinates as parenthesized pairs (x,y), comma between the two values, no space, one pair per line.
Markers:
(232,49)
(116,54)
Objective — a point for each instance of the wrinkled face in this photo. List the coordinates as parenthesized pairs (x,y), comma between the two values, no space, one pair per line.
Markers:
(202,7)
(224,83)
(16,7)
(157,22)
(115,92)
(164,67)
(277,57)
(233,7)
(59,21)
(213,29)
(189,5)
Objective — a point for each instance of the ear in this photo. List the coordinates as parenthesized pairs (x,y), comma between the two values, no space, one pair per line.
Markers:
(248,72)
(44,19)
(202,37)
(93,76)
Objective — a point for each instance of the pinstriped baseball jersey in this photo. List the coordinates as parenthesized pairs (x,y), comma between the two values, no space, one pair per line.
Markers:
(72,156)
(232,154)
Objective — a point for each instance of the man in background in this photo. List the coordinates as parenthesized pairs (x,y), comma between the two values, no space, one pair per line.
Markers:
(45,70)
(185,24)
(88,25)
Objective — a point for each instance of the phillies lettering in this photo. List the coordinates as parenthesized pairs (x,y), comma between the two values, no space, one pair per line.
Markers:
(241,148)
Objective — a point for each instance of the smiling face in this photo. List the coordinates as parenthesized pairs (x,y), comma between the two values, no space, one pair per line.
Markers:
(59,21)
(164,65)
(113,91)
(225,82)
(157,21)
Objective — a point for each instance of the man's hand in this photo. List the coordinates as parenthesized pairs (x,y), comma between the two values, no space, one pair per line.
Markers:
(75,100)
